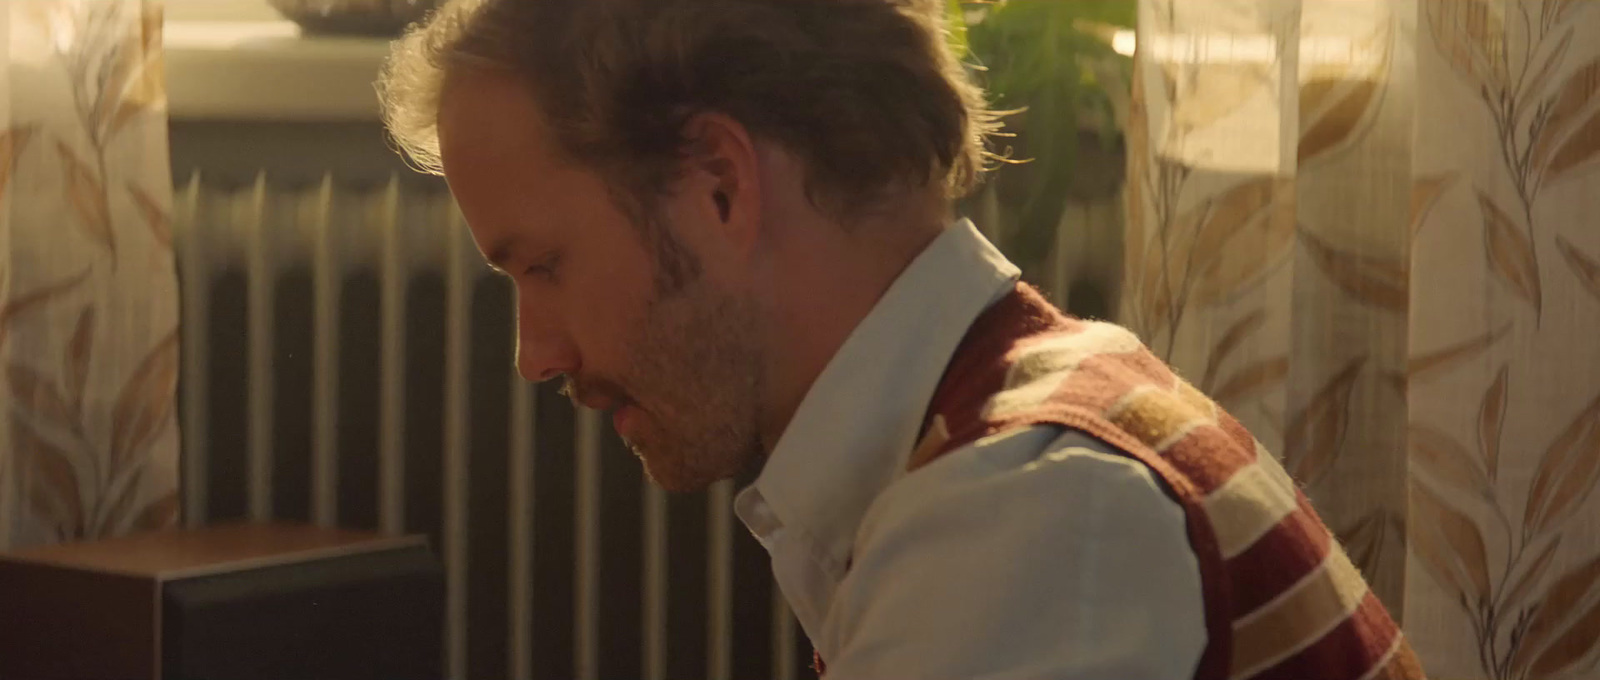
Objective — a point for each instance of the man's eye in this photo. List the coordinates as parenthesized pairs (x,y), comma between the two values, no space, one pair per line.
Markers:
(545,269)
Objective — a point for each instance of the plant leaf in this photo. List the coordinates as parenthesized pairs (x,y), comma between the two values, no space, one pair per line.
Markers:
(1554,612)
(1573,489)
(1364,541)
(1218,220)
(1315,435)
(1317,90)
(1324,128)
(1155,298)
(1226,214)
(1567,106)
(1374,281)
(1560,600)
(1425,193)
(1435,555)
(121,506)
(156,217)
(1471,37)
(12,141)
(1564,597)
(142,83)
(1532,576)
(1249,232)
(53,492)
(1231,339)
(1491,419)
(159,514)
(1339,122)
(1563,5)
(1580,151)
(1253,380)
(1510,252)
(1445,460)
(1464,556)
(145,403)
(1580,639)
(147,96)
(1534,85)
(40,397)
(1452,357)
(88,199)
(137,43)
(128,110)
(1585,267)
(1566,473)
(118,67)
(76,370)
(151,23)
(1165,270)
(36,298)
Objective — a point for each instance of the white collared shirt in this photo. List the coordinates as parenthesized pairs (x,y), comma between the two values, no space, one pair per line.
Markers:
(1032,554)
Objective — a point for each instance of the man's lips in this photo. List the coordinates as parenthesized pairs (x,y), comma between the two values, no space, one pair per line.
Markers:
(597,403)
(624,413)
(625,419)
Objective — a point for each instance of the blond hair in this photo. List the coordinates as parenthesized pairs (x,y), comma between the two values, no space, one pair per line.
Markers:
(867,93)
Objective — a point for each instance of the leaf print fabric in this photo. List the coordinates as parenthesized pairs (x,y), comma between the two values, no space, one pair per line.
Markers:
(1402,298)
(89,353)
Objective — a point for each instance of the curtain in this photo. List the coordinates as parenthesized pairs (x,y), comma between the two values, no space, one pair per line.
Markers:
(1367,227)
(88,290)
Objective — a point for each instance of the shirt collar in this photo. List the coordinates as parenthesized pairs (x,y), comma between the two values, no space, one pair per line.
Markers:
(855,427)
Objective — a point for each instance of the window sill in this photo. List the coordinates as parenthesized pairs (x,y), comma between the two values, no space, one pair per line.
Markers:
(268,71)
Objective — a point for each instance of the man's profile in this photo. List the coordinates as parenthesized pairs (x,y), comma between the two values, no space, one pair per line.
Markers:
(729,222)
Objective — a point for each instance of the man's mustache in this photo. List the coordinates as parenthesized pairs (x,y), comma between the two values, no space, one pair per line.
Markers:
(594,392)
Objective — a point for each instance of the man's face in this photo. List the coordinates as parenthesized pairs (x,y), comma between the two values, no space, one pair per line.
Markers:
(631,314)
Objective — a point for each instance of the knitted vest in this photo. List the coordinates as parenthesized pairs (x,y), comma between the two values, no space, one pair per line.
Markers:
(1282,600)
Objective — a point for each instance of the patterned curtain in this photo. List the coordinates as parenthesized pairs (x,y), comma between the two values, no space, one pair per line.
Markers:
(1367,227)
(88,291)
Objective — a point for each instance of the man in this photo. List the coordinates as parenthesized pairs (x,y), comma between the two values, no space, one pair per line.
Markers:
(728,222)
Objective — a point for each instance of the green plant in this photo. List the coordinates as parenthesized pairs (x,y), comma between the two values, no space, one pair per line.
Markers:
(1053,62)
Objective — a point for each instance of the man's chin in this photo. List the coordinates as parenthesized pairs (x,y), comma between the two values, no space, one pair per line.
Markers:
(672,483)
(668,475)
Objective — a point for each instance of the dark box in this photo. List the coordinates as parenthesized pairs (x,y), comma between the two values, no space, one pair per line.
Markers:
(230,602)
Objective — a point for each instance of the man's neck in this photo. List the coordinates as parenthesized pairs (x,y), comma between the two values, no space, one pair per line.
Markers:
(828,283)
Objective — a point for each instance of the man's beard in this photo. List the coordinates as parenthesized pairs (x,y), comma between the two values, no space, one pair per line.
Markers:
(694,370)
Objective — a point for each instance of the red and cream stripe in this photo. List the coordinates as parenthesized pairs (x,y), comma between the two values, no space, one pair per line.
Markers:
(1284,601)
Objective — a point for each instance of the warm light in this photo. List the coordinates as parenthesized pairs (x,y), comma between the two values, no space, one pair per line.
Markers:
(1222,48)
(1123,42)
(226,34)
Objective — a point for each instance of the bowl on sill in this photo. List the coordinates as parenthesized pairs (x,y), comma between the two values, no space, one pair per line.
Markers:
(378,18)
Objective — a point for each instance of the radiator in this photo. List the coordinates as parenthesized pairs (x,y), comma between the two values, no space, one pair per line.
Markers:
(347,360)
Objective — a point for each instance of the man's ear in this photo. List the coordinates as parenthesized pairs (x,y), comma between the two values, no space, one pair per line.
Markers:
(722,175)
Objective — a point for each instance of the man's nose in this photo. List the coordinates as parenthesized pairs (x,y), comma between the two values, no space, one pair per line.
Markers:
(543,355)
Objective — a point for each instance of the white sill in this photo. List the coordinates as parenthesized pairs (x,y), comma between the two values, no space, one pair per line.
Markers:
(266,70)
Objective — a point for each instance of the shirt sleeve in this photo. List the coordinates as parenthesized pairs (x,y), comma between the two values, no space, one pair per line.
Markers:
(1040,554)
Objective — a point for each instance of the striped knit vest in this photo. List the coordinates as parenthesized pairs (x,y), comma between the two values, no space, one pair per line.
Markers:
(1282,600)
